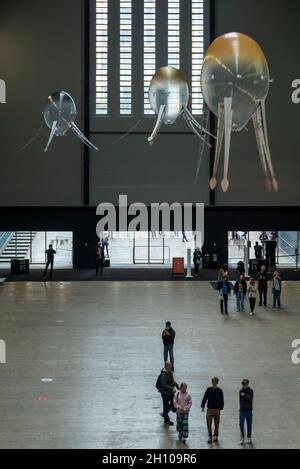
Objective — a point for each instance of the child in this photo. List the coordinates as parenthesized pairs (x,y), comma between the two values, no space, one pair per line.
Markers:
(252,292)
(183,404)
(277,289)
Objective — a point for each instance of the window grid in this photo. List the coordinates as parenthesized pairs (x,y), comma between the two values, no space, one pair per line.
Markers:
(149,49)
(174,33)
(125,57)
(197,54)
(102,57)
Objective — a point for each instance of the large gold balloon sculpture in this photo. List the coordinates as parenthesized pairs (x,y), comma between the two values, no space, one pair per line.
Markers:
(235,84)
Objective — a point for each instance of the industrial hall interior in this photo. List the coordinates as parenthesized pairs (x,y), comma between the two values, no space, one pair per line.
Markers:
(149,225)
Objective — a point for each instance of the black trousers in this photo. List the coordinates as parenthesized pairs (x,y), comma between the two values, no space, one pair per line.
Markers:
(224,302)
(252,302)
(263,296)
(196,269)
(167,405)
(99,266)
(49,263)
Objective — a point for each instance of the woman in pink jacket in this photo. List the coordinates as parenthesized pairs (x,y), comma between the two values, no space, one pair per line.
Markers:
(183,404)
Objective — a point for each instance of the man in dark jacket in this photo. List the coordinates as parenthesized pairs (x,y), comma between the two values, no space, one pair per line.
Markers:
(214,398)
(50,260)
(168,337)
(258,251)
(167,388)
(246,411)
(263,279)
(240,291)
(99,258)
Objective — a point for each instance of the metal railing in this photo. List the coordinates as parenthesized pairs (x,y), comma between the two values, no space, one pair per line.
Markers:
(164,259)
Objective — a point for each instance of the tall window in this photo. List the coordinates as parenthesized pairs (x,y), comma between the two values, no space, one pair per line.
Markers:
(197,54)
(149,49)
(174,33)
(125,57)
(139,29)
(101,57)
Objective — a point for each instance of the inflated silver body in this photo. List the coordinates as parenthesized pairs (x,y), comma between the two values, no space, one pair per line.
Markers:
(235,67)
(169,88)
(60,108)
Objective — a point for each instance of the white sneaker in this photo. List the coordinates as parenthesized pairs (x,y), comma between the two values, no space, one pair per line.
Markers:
(242,442)
(251,314)
(249,441)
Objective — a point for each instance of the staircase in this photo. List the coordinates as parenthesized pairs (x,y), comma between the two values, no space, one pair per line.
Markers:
(17,246)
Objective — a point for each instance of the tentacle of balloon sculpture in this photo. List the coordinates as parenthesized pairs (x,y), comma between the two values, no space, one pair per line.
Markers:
(235,83)
(220,138)
(159,122)
(202,144)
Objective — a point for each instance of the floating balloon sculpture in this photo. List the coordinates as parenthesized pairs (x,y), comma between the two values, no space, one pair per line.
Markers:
(235,83)
(60,115)
(169,96)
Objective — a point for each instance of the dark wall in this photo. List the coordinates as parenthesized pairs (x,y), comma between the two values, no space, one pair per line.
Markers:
(40,52)
(82,222)
(41,49)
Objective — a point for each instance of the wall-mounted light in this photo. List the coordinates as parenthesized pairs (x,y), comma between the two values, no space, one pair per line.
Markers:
(2,92)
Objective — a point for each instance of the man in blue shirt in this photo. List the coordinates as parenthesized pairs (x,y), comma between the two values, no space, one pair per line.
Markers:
(246,411)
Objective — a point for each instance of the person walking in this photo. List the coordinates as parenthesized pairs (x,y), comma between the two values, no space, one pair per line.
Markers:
(263,279)
(214,398)
(168,337)
(99,258)
(277,288)
(224,289)
(258,251)
(183,403)
(184,238)
(167,387)
(197,261)
(50,253)
(252,293)
(246,411)
(240,291)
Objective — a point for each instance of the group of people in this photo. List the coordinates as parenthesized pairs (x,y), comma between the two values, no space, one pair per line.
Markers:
(177,399)
(257,285)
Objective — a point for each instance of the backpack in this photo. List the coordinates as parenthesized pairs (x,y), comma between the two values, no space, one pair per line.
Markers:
(158,383)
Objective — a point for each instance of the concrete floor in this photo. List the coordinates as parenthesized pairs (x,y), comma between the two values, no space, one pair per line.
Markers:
(100,343)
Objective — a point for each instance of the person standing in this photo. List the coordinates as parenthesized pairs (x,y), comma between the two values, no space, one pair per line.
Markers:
(240,290)
(168,337)
(277,288)
(263,279)
(252,293)
(258,251)
(167,387)
(224,289)
(105,245)
(182,403)
(246,411)
(99,258)
(197,261)
(50,253)
(214,398)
